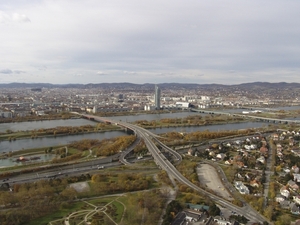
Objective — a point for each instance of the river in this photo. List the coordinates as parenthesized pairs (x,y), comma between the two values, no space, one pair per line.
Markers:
(6,146)
(35,125)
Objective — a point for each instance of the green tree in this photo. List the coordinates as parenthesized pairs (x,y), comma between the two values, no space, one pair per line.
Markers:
(284,219)
(214,210)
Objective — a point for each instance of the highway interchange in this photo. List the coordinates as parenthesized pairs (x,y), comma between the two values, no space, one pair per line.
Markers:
(160,159)
(166,165)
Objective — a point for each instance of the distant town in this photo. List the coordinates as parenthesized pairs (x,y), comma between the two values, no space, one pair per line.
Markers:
(20,100)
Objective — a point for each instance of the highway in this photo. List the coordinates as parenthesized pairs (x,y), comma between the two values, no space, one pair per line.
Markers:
(166,165)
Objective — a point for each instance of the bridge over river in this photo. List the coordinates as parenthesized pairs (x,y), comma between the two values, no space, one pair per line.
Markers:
(264,119)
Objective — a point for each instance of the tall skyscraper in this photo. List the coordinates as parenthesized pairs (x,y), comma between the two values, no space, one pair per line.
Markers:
(157,97)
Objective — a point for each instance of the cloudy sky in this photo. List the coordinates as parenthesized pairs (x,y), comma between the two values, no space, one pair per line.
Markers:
(141,41)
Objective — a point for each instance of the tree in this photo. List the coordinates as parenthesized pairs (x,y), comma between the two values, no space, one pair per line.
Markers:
(214,210)
(69,193)
(268,213)
(284,219)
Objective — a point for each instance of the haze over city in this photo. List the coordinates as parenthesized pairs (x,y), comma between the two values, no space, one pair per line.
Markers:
(149,41)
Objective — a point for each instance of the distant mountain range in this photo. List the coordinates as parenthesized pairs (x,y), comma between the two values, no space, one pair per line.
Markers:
(147,86)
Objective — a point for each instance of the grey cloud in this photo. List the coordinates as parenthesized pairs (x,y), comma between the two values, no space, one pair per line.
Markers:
(19,71)
(6,71)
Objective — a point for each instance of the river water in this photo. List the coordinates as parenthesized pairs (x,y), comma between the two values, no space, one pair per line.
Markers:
(35,125)
(6,146)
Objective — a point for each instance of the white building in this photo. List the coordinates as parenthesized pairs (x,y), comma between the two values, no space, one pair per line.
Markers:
(241,187)
(149,107)
(182,104)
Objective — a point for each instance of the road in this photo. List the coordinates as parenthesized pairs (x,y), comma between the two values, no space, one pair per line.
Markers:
(166,165)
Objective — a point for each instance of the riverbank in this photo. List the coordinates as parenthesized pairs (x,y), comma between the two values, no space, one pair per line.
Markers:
(33,134)
(31,118)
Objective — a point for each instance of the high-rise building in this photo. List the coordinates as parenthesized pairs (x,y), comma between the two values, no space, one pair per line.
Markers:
(157,97)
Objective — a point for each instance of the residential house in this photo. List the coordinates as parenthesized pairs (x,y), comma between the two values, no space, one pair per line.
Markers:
(240,164)
(296,152)
(247,176)
(245,154)
(284,191)
(279,198)
(263,142)
(296,177)
(197,207)
(280,155)
(212,154)
(285,204)
(221,221)
(293,185)
(294,209)
(296,199)
(279,147)
(228,162)
(247,147)
(192,216)
(291,141)
(254,183)
(239,176)
(237,142)
(275,136)
(261,159)
(295,169)
(190,152)
(220,156)
(297,222)
(263,150)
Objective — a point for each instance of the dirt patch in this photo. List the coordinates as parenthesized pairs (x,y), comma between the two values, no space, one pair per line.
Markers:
(80,187)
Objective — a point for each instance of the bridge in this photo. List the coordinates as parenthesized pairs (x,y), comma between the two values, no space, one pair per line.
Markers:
(264,119)
(149,139)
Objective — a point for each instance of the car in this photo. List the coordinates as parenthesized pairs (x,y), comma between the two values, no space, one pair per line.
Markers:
(100,167)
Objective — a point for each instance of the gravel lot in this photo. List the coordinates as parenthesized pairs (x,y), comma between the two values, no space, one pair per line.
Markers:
(208,176)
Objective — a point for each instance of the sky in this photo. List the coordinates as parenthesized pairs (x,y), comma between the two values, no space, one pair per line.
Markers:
(143,41)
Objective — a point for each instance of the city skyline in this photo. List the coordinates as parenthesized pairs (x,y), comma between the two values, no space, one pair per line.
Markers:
(199,42)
